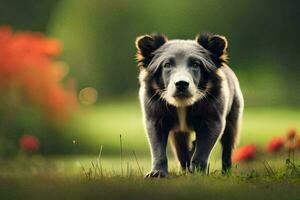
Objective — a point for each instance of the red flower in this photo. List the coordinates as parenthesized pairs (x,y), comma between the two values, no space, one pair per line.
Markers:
(275,144)
(244,153)
(29,143)
(291,134)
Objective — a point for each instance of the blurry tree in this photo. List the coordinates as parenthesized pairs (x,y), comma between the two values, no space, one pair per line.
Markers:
(28,14)
(99,40)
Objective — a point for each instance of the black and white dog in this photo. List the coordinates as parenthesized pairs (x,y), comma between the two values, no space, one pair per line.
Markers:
(186,87)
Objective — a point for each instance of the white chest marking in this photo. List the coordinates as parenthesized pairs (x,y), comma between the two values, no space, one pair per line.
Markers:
(181,112)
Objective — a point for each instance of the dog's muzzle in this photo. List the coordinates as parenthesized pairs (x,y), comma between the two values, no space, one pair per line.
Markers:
(182,89)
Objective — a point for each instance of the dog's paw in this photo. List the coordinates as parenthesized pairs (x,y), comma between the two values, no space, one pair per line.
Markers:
(156,174)
(192,168)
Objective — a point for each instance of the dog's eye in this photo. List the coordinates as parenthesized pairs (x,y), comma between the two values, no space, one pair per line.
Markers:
(167,65)
(195,65)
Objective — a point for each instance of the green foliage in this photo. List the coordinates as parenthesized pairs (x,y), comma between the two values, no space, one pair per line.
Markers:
(23,119)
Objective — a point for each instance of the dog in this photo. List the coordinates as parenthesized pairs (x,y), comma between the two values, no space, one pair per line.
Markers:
(187,87)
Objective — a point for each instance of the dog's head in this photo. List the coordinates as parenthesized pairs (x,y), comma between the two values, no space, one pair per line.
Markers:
(179,69)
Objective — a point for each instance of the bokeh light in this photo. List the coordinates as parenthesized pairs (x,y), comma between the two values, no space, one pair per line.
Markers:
(88,96)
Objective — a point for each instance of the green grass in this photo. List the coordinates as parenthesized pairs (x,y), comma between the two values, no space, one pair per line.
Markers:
(104,177)
(77,178)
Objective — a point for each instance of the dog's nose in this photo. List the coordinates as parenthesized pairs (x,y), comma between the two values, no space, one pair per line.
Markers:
(182,85)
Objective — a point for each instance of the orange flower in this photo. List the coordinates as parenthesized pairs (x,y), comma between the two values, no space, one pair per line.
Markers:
(275,144)
(297,143)
(291,145)
(24,49)
(291,134)
(293,141)
(27,65)
(244,153)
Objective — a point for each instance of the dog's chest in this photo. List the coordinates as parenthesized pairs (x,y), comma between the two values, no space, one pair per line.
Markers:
(182,125)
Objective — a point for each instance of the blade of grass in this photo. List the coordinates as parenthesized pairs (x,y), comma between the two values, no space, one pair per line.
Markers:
(121,154)
(136,160)
(99,162)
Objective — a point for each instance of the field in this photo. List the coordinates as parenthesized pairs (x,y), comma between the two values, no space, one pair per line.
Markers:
(102,125)
(108,175)
(78,178)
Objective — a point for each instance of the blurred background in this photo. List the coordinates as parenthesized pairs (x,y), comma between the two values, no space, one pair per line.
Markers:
(87,96)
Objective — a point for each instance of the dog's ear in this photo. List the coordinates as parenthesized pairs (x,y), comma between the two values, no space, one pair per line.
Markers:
(146,45)
(215,44)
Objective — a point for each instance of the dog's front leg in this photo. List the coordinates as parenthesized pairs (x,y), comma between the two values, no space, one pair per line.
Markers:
(206,137)
(158,138)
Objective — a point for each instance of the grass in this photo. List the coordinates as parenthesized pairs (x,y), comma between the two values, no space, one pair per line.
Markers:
(115,171)
(82,178)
